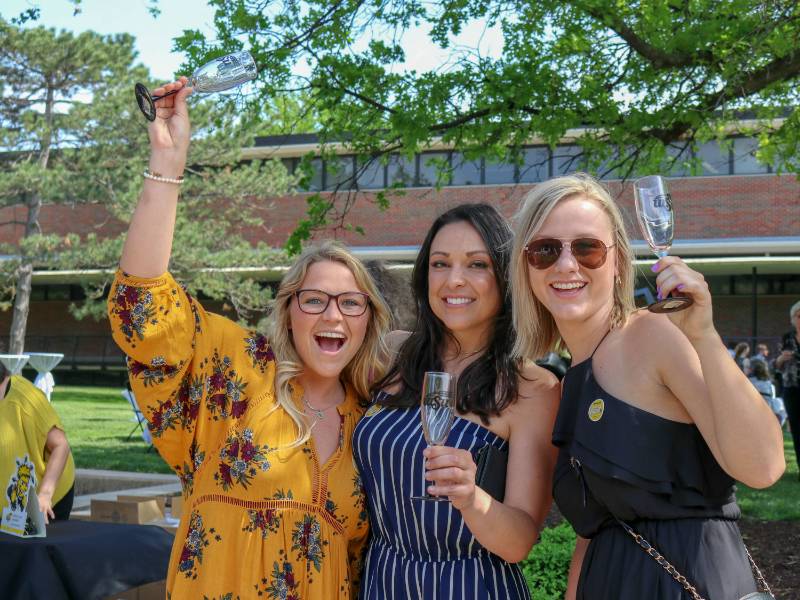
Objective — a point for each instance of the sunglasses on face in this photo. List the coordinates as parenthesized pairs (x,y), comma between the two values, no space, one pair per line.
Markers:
(589,252)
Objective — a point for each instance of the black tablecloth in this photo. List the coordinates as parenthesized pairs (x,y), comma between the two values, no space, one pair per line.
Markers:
(82,560)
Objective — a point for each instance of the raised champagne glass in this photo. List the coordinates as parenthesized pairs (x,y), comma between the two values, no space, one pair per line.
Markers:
(437,411)
(217,75)
(657,220)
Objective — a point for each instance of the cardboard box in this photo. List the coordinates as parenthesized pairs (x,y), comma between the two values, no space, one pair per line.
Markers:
(176,510)
(160,500)
(135,512)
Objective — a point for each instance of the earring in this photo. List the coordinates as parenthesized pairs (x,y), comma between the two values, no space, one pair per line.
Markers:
(618,280)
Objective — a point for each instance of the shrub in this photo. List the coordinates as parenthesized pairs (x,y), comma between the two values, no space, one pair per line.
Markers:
(547,565)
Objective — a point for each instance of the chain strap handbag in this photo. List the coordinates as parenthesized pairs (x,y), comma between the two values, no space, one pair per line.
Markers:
(764,594)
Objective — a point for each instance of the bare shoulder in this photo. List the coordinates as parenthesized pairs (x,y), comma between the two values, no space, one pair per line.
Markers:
(395,339)
(649,330)
(538,387)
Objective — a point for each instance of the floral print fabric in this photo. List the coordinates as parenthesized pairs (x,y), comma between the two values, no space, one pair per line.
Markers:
(262,519)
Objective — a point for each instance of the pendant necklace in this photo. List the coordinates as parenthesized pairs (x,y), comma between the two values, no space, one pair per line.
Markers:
(320,414)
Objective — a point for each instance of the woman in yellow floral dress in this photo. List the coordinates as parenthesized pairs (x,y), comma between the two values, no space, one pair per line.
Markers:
(258,428)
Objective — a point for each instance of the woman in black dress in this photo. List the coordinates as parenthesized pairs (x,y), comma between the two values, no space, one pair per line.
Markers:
(656,421)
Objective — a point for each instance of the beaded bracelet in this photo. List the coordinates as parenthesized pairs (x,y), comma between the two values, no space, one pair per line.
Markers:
(159,177)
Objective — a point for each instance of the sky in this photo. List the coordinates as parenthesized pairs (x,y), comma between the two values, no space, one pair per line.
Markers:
(154,35)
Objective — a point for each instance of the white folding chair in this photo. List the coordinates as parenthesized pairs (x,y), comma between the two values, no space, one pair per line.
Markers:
(141,422)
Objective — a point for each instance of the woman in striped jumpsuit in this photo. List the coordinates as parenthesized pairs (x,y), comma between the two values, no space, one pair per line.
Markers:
(464,548)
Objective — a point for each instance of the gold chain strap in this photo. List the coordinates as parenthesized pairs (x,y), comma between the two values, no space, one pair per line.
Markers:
(669,568)
(757,572)
(647,547)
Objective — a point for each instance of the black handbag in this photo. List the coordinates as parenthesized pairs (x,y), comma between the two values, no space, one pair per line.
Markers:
(490,476)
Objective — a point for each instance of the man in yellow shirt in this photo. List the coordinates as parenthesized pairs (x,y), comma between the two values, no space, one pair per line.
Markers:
(29,426)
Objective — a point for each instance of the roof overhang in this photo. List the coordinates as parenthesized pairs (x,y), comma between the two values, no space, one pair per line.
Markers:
(720,256)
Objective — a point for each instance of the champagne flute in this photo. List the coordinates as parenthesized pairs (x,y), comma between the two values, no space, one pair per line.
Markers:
(220,74)
(437,411)
(657,219)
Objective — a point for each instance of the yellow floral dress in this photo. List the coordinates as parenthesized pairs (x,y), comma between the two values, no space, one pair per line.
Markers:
(262,520)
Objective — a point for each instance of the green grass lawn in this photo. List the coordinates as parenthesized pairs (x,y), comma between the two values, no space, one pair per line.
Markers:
(98,421)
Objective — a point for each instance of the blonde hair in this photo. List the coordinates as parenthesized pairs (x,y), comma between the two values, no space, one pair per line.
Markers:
(537,333)
(371,360)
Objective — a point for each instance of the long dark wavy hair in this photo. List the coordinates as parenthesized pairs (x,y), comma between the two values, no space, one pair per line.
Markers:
(490,383)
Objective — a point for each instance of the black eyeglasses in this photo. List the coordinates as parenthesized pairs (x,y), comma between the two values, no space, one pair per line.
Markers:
(315,302)
(589,252)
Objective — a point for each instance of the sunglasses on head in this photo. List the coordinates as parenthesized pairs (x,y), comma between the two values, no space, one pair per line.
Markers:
(589,252)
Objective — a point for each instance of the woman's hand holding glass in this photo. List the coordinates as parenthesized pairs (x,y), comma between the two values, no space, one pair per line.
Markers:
(696,321)
(170,131)
(452,472)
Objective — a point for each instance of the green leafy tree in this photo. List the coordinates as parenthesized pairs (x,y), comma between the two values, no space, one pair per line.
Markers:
(643,80)
(70,132)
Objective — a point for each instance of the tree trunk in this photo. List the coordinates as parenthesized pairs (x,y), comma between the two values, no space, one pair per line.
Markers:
(19,321)
(22,295)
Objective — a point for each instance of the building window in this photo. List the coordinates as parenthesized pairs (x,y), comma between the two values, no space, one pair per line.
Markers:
(369,173)
(400,170)
(567,159)
(313,182)
(714,158)
(339,172)
(744,157)
(497,172)
(430,168)
(536,164)
(465,172)
(678,160)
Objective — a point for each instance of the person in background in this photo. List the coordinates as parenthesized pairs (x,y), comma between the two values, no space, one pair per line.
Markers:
(655,423)
(761,355)
(29,425)
(788,365)
(763,383)
(740,357)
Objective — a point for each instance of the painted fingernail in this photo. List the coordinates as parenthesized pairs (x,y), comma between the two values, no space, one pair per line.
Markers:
(659,295)
(654,268)
(681,286)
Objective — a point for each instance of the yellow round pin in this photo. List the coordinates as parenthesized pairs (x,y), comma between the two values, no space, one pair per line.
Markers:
(596,409)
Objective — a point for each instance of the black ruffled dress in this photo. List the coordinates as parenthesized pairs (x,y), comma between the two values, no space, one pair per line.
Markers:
(660,477)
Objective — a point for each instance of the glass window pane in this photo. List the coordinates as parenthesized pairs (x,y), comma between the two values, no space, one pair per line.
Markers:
(289,164)
(536,164)
(465,172)
(713,158)
(400,170)
(744,157)
(339,172)
(314,182)
(682,156)
(499,172)
(370,174)
(429,165)
(566,159)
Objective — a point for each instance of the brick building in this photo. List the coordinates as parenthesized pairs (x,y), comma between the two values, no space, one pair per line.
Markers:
(737,222)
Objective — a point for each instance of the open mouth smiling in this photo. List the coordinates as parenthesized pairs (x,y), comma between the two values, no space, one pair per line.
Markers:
(330,341)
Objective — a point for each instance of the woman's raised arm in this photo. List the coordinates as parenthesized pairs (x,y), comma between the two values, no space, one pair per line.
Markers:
(149,241)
